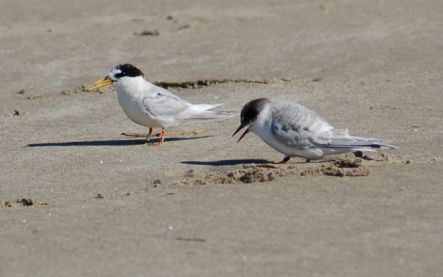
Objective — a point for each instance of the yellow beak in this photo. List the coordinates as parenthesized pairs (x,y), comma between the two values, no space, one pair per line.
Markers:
(101,83)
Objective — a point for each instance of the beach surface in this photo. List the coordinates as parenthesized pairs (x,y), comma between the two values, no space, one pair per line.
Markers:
(79,199)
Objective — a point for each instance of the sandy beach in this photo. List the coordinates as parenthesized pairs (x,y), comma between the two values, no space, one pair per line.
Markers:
(79,199)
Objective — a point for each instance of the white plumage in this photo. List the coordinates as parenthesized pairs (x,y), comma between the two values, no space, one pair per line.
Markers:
(295,130)
(152,106)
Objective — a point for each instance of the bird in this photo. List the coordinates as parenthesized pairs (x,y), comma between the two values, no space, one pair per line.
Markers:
(295,130)
(152,106)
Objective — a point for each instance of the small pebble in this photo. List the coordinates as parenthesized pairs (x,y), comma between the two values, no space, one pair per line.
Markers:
(17,113)
(156,183)
(33,97)
(182,27)
(25,201)
(147,33)
(67,92)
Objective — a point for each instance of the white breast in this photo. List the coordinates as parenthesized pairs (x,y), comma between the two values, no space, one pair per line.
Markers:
(130,94)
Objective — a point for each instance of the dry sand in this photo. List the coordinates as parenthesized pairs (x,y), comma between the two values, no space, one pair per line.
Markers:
(79,199)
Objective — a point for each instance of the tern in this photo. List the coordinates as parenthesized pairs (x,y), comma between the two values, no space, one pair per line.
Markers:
(294,130)
(151,106)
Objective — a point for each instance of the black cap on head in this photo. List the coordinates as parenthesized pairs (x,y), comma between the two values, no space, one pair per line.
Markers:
(252,109)
(249,113)
(125,70)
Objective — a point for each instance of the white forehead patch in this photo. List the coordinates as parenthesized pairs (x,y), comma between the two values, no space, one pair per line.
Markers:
(113,73)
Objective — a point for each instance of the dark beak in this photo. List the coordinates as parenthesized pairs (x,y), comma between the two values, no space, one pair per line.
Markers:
(238,129)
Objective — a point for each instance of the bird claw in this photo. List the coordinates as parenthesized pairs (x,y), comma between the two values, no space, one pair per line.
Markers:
(285,160)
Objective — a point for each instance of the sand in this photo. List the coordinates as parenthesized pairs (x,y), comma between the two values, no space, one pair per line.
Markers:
(79,199)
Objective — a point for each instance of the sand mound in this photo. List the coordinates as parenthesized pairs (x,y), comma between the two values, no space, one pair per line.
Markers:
(268,172)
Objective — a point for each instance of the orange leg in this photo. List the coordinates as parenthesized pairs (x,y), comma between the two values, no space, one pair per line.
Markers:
(162,137)
(149,134)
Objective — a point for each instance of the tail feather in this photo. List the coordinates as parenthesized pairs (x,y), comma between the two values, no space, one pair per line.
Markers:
(360,143)
(206,112)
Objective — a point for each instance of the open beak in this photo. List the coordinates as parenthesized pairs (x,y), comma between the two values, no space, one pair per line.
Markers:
(101,83)
(238,129)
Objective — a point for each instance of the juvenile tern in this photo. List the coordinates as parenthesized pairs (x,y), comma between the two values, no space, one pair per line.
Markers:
(149,105)
(295,130)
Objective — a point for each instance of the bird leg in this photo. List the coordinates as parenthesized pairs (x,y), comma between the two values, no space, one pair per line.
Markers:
(285,160)
(140,135)
(149,134)
(162,137)
(271,165)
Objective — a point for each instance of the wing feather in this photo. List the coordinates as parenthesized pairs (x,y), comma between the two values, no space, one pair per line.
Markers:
(297,126)
(161,103)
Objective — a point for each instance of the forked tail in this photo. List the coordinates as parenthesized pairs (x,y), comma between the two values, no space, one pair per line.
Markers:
(206,111)
(361,144)
(341,139)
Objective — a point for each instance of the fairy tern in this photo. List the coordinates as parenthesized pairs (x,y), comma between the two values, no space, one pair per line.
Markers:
(294,130)
(149,105)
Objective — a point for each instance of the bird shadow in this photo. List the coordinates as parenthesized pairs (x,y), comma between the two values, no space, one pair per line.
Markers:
(227,162)
(117,142)
(258,162)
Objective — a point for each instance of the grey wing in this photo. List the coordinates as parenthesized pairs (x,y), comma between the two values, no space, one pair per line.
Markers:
(159,102)
(297,126)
